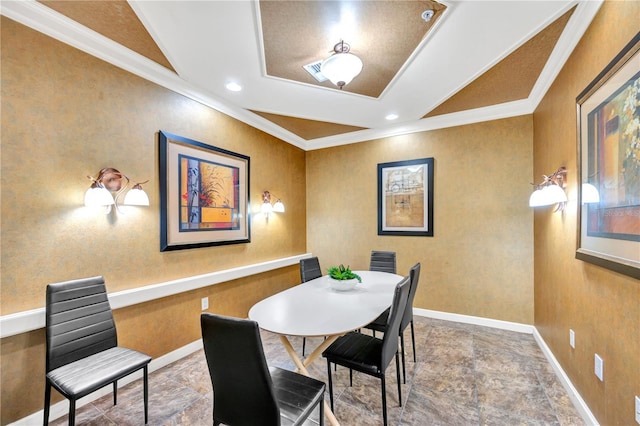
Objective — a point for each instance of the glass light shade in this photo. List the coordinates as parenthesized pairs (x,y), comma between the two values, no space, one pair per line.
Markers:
(136,197)
(590,194)
(278,207)
(266,208)
(341,68)
(554,194)
(98,197)
(536,199)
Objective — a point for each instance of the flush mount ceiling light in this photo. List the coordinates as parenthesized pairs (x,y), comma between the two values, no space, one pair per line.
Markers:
(342,66)
(233,86)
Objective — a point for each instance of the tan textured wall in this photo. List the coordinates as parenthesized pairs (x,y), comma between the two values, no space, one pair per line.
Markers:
(480,260)
(65,115)
(602,307)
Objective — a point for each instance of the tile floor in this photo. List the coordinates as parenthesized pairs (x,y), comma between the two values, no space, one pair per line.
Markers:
(464,375)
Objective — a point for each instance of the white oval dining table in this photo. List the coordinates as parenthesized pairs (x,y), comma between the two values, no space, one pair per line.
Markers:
(314,309)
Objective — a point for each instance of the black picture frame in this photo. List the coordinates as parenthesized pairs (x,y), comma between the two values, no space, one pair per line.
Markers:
(204,194)
(405,197)
(608,232)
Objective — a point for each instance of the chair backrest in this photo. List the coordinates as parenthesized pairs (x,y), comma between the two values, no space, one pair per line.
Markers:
(383,261)
(310,269)
(242,387)
(390,339)
(414,276)
(79,321)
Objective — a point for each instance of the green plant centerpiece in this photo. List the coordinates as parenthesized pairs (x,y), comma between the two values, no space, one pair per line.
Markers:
(342,278)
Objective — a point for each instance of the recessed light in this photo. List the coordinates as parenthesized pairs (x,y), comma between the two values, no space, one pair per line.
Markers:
(233,86)
(391,117)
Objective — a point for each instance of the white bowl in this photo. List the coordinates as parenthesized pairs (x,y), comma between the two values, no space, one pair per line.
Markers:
(342,285)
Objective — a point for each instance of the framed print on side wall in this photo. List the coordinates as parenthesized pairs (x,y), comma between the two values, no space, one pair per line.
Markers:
(405,198)
(609,158)
(204,194)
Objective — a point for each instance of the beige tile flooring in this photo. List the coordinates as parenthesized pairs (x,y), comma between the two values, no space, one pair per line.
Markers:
(464,375)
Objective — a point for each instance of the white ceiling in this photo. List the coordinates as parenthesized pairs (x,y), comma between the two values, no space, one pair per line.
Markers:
(210,43)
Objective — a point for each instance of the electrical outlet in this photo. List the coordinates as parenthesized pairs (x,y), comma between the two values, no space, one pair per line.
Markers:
(572,338)
(599,367)
(204,303)
(637,409)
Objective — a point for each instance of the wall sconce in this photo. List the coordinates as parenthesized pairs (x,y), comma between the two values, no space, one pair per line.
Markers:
(267,208)
(590,194)
(110,180)
(551,191)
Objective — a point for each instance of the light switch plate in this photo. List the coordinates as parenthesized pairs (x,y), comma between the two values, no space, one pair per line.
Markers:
(599,367)
(572,338)
(204,303)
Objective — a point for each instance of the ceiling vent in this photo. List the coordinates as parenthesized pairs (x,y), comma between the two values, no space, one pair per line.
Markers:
(314,69)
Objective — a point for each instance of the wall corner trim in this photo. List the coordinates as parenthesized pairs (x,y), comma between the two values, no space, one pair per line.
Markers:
(22,322)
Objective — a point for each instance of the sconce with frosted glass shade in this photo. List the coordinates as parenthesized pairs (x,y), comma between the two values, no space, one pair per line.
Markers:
(106,189)
(590,194)
(551,191)
(267,208)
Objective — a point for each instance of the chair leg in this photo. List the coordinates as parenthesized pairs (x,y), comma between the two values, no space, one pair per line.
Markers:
(351,377)
(330,383)
(404,366)
(72,412)
(115,393)
(145,374)
(413,341)
(398,380)
(304,343)
(321,419)
(384,400)
(47,401)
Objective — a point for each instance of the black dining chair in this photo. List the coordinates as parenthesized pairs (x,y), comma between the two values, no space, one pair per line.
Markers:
(383,261)
(82,353)
(380,323)
(309,270)
(246,392)
(368,354)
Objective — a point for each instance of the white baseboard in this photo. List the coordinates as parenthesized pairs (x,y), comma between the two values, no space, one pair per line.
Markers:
(467,319)
(573,393)
(61,408)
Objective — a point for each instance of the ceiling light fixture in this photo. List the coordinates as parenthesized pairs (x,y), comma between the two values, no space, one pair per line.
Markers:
(391,116)
(233,86)
(342,66)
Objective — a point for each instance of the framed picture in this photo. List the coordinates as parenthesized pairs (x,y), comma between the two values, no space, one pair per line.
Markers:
(609,165)
(405,198)
(204,195)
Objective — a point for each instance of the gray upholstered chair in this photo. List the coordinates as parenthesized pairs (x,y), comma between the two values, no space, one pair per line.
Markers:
(369,355)
(246,392)
(380,323)
(383,261)
(82,346)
